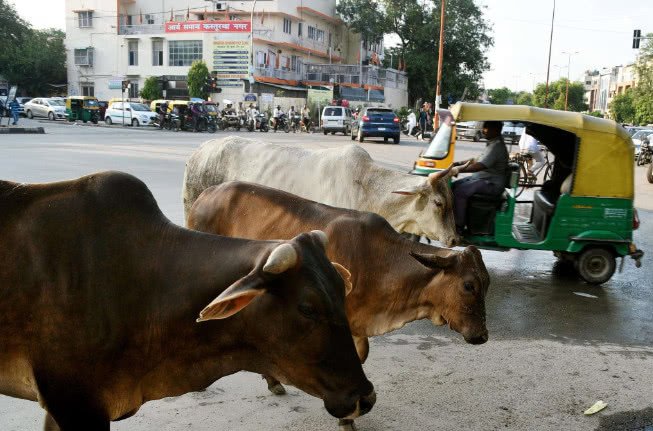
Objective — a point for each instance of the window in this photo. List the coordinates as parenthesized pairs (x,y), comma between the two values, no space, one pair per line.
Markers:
(300,29)
(179,18)
(184,52)
(88,89)
(157,53)
(133,90)
(315,34)
(84,57)
(149,19)
(133,52)
(85,19)
(287,25)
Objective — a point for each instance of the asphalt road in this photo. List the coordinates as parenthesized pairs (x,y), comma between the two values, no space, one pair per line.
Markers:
(556,344)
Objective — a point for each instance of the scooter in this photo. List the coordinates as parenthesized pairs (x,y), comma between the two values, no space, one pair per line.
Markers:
(282,123)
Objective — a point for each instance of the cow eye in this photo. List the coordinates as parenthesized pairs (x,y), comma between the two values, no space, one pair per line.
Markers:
(437,204)
(308,310)
(469,286)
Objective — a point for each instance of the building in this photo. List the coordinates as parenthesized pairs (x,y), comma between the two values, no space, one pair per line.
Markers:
(602,86)
(270,49)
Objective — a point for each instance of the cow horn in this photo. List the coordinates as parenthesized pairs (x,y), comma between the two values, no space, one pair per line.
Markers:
(281,259)
(324,239)
(434,261)
(437,176)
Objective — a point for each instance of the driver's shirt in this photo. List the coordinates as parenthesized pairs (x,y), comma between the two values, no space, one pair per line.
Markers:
(276,113)
(495,160)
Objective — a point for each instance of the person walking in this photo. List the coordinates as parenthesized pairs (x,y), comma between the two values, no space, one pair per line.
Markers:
(423,121)
(14,108)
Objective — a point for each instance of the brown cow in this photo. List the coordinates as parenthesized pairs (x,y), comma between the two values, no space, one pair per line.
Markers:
(395,280)
(100,296)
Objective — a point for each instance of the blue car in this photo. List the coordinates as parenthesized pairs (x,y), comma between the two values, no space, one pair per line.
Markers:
(376,123)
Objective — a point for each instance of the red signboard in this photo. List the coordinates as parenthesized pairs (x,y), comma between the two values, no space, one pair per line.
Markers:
(209,27)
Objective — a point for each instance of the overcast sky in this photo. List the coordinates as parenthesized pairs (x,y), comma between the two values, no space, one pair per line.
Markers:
(600,30)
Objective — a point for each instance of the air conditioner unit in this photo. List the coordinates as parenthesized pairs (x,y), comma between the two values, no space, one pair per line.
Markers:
(221,6)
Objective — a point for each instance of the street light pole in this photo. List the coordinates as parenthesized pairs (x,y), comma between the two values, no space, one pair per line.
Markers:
(251,39)
(568,66)
(548,67)
(438,89)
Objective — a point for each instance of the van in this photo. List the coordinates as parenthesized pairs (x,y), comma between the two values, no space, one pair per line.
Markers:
(336,119)
(470,129)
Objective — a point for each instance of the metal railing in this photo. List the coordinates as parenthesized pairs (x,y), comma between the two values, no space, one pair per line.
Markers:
(271,72)
(351,74)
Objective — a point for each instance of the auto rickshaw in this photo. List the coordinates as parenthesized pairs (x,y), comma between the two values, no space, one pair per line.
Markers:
(84,108)
(154,105)
(584,213)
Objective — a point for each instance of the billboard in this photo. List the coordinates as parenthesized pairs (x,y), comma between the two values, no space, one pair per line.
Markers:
(231,62)
(208,27)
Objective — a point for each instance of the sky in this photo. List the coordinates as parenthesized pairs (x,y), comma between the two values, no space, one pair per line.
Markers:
(599,30)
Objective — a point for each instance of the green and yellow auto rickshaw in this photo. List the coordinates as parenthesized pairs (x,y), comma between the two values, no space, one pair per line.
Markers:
(84,108)
(584,213)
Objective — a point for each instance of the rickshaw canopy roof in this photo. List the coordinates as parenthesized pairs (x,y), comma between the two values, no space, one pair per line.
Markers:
(605,157)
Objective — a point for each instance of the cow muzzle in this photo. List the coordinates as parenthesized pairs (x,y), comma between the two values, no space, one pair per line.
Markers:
(476,339)
(354,408)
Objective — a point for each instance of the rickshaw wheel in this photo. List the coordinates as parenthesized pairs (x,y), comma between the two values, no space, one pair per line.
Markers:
(596,265)
(649,173)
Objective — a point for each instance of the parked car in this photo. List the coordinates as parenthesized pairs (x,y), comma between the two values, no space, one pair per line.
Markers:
(336,119)
(512,132)
(136,114)
(470,129)
(637,139)
(50,108)
(21,102)
(633,129)
(376,123)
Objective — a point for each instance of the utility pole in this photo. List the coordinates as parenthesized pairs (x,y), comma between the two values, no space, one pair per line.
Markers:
(548,67)
(568,65)
(438,89)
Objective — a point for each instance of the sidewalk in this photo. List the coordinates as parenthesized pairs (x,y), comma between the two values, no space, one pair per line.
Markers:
(643,189)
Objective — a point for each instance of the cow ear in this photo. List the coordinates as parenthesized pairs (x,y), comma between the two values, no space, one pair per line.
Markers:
(410,191)
(237,296)
(433,261)
(346,276)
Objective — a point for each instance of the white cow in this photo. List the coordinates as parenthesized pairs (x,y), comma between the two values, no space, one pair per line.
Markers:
(342,177)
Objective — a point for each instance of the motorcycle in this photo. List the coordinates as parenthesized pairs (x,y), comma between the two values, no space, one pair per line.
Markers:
(282,123)
(211,123)
(645,153)
(262,122)
(231,119)
(170,122)
(295,123)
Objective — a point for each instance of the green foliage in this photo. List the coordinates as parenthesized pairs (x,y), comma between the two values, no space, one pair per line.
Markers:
(417,22)
(34,60)
(556,99)
(197,76)
(501,96)
(151,89)
(622,107)
(524,98)
(643,92)
(402,113)
(596,114)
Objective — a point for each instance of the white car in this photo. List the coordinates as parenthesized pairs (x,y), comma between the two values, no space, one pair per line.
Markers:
(136,114)
(50,108)
(512,132)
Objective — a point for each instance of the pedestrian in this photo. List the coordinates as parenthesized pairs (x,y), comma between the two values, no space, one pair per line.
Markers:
(489,173)
(14,107)
(423,121)
(163,112)
(412,122)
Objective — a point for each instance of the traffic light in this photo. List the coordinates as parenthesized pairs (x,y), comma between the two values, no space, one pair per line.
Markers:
(637,35)
(125,85)
(211,85)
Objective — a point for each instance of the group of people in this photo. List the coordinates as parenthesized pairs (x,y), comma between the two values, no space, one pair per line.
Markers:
(11,110)
(305,116)
(418,124)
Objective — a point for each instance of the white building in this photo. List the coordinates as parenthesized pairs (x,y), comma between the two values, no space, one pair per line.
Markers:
(296,44)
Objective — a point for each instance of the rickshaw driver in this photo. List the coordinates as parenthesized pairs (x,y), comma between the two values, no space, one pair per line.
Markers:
(489,172)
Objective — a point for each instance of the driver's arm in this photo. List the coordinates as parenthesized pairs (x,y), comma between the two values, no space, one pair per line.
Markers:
(474,167)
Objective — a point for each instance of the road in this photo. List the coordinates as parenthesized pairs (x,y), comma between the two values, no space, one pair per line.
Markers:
(556,345)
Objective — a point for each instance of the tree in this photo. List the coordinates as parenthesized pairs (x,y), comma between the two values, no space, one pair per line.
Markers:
(524,98)
(622,107)
(34,60)
(197,76)
(416,23)
(151,89)
(643,92)
(556,99)
(501,96)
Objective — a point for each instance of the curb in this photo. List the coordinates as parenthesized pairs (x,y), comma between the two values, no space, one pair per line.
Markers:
(21,130)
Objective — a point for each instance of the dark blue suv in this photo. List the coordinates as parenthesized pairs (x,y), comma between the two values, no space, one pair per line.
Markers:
(376,123)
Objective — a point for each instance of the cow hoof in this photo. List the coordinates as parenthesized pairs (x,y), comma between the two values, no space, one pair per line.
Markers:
(277,389)
(346,425)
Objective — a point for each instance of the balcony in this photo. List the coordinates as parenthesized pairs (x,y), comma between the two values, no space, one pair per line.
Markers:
(288,75)
(351,74)
(141,29)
